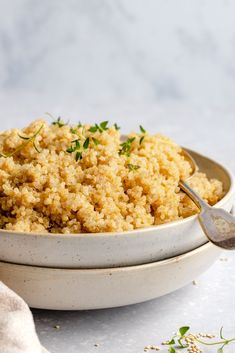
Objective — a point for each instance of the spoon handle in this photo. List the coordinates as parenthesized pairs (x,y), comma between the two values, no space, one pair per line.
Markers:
(201,204)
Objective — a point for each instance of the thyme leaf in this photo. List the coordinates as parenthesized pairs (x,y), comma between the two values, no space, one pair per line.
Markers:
(96,142)
(126,147)
(78,156)
(73,130)
(117,127)
(184,340)
(58,122)
(142,130)
(183,330)
(86,143)
(221,333)
(141,139)
(27,140)
(35,147)
(94,128)
(101,127)
(171,350)
(74,146)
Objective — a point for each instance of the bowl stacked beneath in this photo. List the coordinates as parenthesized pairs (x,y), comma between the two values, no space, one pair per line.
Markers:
(86,271)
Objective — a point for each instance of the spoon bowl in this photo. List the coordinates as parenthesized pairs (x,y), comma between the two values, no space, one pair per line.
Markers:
(217,224)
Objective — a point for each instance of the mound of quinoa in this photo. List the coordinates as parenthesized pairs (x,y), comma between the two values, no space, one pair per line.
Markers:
(44,187)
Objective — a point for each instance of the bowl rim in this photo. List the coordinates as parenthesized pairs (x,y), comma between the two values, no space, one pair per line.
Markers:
(137,231)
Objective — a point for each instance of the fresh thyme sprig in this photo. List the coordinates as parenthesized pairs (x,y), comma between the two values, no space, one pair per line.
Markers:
(96,142)
(141,139)
(74,129)
(143,131)
(74,146)
(86,143)
(183,339)
(77,147)
(117,127)
(59,122)
(27,139)
(126,147)
(99,127)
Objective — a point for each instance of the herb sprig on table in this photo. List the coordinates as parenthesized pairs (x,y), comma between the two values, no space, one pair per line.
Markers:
(27,140)
(185,341)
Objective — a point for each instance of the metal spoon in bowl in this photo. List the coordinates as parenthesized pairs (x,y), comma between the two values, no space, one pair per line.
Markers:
(217,224)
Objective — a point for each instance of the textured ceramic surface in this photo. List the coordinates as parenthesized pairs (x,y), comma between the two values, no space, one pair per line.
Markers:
(115,249)
(78,289)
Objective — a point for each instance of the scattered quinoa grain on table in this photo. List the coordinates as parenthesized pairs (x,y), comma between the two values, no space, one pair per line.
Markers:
(59,178)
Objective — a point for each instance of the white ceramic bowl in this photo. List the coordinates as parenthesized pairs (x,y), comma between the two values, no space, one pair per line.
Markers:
(102,250)
(71,289)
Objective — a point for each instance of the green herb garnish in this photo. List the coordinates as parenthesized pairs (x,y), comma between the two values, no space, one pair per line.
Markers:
(117,127)
(142,130)
(86,143)
(74,147)
(171,350)
(184,340)
(96,142)
(141,139)
(101,127)
(126,147)
(78,156)
(73,130)
(27,140)
(59,122)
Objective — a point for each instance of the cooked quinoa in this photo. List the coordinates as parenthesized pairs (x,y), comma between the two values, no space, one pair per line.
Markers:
(48,183)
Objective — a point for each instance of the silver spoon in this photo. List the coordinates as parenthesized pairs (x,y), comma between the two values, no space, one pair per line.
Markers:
(217,224)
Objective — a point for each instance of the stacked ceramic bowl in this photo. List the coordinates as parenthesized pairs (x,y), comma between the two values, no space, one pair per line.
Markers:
(88,271)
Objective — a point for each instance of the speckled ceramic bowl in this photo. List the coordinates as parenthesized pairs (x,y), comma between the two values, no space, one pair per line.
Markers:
(82,289)
(103,250)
